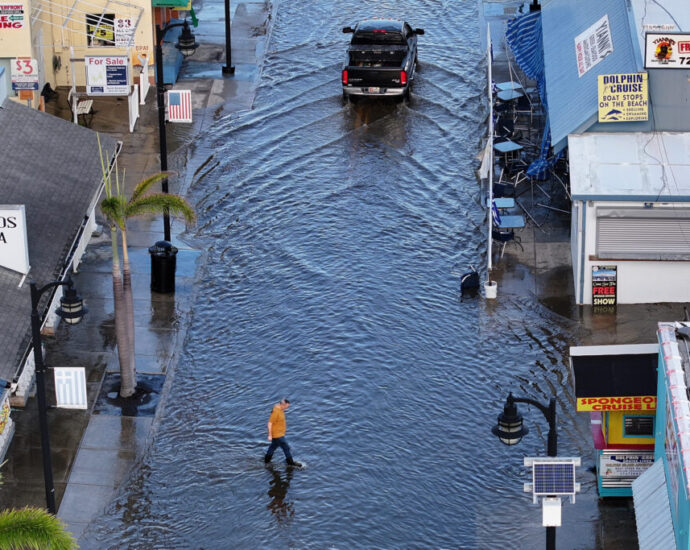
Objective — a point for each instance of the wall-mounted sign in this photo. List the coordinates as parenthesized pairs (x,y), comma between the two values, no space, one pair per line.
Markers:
(667,51)
(12,16)
(627,403)
(624,466)
(623,97)
(593,45)
(107,75)
(14,247)
(124,32)
(604,283)
(24,73)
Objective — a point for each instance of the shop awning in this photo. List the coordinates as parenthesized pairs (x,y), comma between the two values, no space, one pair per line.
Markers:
(652,510)
(620,377)
(92,19)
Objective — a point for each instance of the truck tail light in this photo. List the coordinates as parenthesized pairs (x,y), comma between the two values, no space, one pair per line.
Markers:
(344,77)
(403,77)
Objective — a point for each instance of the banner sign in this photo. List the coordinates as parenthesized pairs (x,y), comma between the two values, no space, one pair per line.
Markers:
(14,246)
(124,32)
(623,97)
(179,105)
(107,75)
(604,281)
(12,16)
(629,403)
(24,73)
(667,51)
(624,466)
(593,45)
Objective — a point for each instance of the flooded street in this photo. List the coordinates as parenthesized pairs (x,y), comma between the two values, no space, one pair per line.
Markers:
(336,234)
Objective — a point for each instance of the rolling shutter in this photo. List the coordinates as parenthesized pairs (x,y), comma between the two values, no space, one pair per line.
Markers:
(643,233)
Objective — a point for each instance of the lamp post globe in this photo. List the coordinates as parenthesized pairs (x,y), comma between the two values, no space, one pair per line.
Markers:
(510,428)
(186,42)
(71,308)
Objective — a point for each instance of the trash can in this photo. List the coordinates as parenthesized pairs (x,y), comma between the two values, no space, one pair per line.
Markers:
(163,265)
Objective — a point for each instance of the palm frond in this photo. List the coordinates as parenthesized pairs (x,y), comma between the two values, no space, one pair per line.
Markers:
(159,203)
(114,209)
(143,186)
(34,529)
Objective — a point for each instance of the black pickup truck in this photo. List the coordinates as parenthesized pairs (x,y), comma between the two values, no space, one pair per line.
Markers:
(381,59)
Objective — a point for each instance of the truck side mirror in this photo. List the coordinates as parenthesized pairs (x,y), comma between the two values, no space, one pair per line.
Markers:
(419,31)
(348,29)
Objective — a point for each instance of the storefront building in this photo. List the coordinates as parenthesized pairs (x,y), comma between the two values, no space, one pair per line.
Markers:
(616,386)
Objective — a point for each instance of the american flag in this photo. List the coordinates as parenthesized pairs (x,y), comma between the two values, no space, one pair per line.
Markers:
(494,214)
(180,106)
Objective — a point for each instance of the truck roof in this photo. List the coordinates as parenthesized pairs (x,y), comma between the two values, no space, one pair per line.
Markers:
(379,24)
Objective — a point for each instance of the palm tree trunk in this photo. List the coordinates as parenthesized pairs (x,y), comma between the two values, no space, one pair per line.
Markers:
(128,302)
(123,355)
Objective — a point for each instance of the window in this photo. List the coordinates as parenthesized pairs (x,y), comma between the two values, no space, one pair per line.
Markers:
(100,29)
(638,426)
(643,233)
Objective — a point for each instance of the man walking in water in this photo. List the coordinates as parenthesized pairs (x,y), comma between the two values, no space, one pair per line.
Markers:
(276,433)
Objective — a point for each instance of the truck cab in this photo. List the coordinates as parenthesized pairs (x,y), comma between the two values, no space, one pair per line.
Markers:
(381,59)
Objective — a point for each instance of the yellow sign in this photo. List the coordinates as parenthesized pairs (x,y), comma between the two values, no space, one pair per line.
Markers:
(632,403)
(623,97)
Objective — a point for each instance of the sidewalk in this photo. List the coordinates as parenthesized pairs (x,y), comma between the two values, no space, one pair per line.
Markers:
(94,451)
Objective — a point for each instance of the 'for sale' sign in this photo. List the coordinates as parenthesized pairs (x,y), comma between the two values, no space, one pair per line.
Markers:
(107,75)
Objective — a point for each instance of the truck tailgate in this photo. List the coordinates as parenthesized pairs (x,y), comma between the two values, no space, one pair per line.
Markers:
(380,77)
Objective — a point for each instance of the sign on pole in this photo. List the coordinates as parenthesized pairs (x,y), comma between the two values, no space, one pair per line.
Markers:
(14,246)
(24,73)
(667,51)
(180,105)
(107,75)
(70,387)
(623,97)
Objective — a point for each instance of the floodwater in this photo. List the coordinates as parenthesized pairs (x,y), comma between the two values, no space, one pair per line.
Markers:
(336,235)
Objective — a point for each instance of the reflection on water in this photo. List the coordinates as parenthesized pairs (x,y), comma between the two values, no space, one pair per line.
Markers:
(281,508)
(334,235)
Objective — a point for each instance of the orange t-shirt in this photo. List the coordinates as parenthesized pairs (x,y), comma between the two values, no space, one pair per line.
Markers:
(277,421)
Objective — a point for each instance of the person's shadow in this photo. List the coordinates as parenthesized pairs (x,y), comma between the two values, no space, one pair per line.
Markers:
(277,492)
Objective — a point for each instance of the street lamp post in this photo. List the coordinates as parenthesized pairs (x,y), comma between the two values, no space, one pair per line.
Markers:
(71,310)
(228,68)
(510,430)
(187,45)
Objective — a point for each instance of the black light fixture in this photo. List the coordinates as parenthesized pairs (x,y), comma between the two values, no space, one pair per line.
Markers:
(186,42)
(72,310)
(510,428)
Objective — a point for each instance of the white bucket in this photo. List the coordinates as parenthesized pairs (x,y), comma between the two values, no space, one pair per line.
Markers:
(491,290)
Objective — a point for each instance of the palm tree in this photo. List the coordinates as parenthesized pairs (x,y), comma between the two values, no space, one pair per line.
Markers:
(33,528)
(118,209)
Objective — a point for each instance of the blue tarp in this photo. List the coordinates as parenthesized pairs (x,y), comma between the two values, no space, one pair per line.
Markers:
(524,36)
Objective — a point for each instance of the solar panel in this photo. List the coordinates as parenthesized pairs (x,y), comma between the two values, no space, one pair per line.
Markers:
(554,478)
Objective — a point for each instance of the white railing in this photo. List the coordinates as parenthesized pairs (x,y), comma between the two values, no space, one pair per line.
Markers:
(144,83)
(133,99)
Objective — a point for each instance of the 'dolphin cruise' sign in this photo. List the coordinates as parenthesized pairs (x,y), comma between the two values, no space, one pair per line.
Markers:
(14,249)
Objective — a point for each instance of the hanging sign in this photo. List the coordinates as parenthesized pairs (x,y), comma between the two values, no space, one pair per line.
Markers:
(623,97)
(24,73)
(14,247)
(604,282)
(593,45)
(11,16)
(667,51)
(179,105)
(107,75)
(124,32)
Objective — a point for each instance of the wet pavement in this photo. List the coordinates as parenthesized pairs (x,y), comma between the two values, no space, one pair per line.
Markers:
(333,237)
